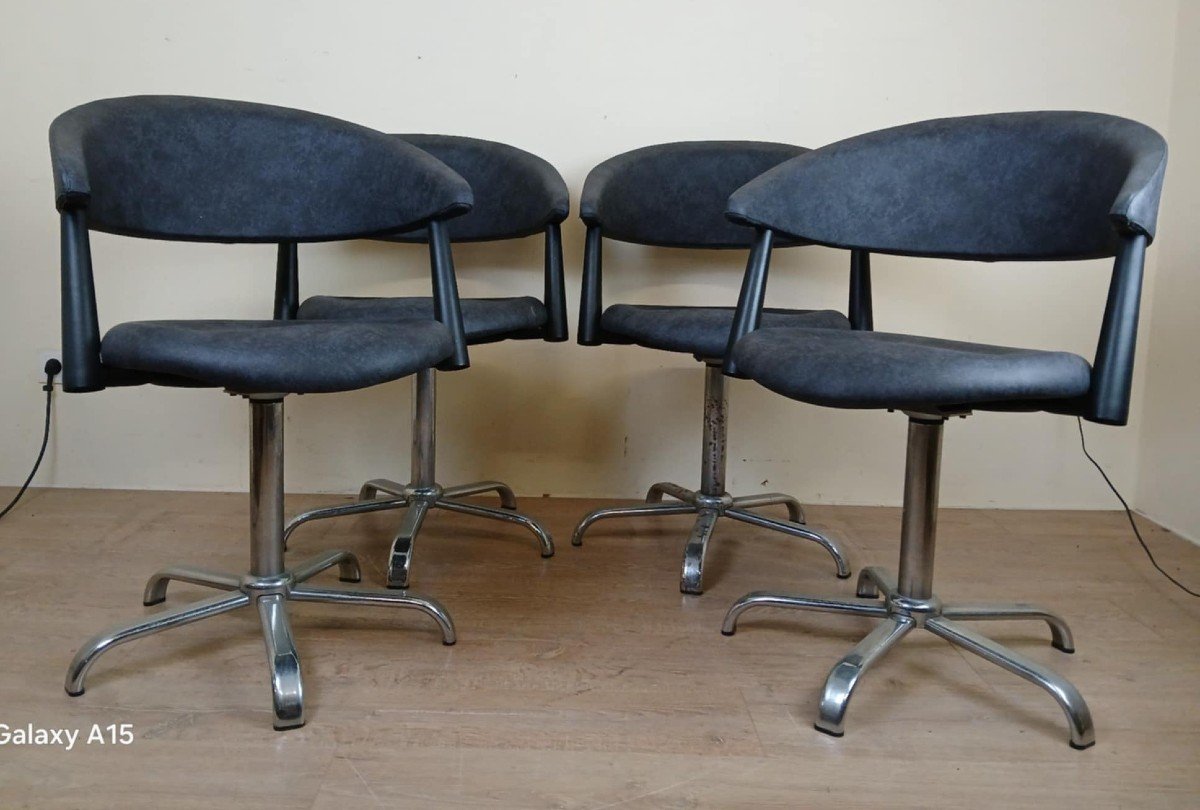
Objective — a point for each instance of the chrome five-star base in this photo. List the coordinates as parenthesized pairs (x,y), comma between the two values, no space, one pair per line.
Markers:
(424,494)
(268,586)
(712,501)
(911,604)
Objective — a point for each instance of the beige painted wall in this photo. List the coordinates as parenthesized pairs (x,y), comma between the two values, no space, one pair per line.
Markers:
(575,83)
(1169,463)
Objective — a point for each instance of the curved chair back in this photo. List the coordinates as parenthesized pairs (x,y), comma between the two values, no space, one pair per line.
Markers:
(1029,185)
(516,192)
(674,194)
(209,170)
(1011,186)
(176,167)
(666,195)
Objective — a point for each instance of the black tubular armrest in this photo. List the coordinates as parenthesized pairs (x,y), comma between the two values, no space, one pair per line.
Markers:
(287,282)
(446,306)
(82,370)
(555,296)
(1112,370)
(861,311)
(750,301)
(590,303)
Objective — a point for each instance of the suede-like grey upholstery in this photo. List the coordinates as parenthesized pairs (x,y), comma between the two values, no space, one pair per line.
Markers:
(176,167)
(701,331)
(855,369)
(674,194)
(1031,185)
(278,357)
(516,193)
(484,319)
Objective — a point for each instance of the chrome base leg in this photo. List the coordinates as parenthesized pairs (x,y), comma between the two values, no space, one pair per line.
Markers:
(400,555)
(287,689)
(270,594)
(795,510)
(839,686)
(708,508)
(656,492)
(507,499)
(692,579)
(417,501)
(545,544)
(796,530)
(1060,633)
(872,581)
(640,510)
(101,643)
(156,587)
(371,489)
(757,599)
(1079,717)
(361,507)
(347,563)
(430,607)
(902,614)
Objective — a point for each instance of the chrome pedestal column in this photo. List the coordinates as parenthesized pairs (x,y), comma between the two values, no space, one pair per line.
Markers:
(424,493)
(712,501)
(268,585)
(910,603)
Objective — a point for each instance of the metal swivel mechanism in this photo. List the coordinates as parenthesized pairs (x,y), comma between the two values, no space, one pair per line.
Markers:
(424,493)
(712,501)
(268,586)
(910,603)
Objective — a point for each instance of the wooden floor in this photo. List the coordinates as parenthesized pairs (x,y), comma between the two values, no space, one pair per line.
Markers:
(587,680)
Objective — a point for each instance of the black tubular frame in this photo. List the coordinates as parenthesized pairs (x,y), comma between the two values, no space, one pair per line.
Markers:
(860,310)
(287,282)
(590,293)
(82,367)
(446,306)
(754,287)
(555,330)
(1107,401)
(555,293)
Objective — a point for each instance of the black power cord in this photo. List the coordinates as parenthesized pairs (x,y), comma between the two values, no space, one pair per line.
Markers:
(1129,514)
(53,369)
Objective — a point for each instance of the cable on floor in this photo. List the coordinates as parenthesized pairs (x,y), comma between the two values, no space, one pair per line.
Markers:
(1129,514)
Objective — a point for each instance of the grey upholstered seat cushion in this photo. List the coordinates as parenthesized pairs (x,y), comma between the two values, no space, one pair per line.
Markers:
(702,331)
(845,369)
(483,318)
(284,357)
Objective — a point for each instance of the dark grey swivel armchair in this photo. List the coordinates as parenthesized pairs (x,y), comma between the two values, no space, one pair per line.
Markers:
(1050,186)
(204,170)
(673,195)
(517,194)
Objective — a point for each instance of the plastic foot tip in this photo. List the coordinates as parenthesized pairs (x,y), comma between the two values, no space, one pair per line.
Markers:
(1078,747)
(349,579)
(449,643)
(728,632)
(74,694)
(846,575)
(828,732)
(547,555)
(1067,650)
(153,602)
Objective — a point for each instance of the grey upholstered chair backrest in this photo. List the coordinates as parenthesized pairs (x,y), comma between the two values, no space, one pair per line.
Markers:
(674,194)
(176,167)
(1029,185)
(516,192)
